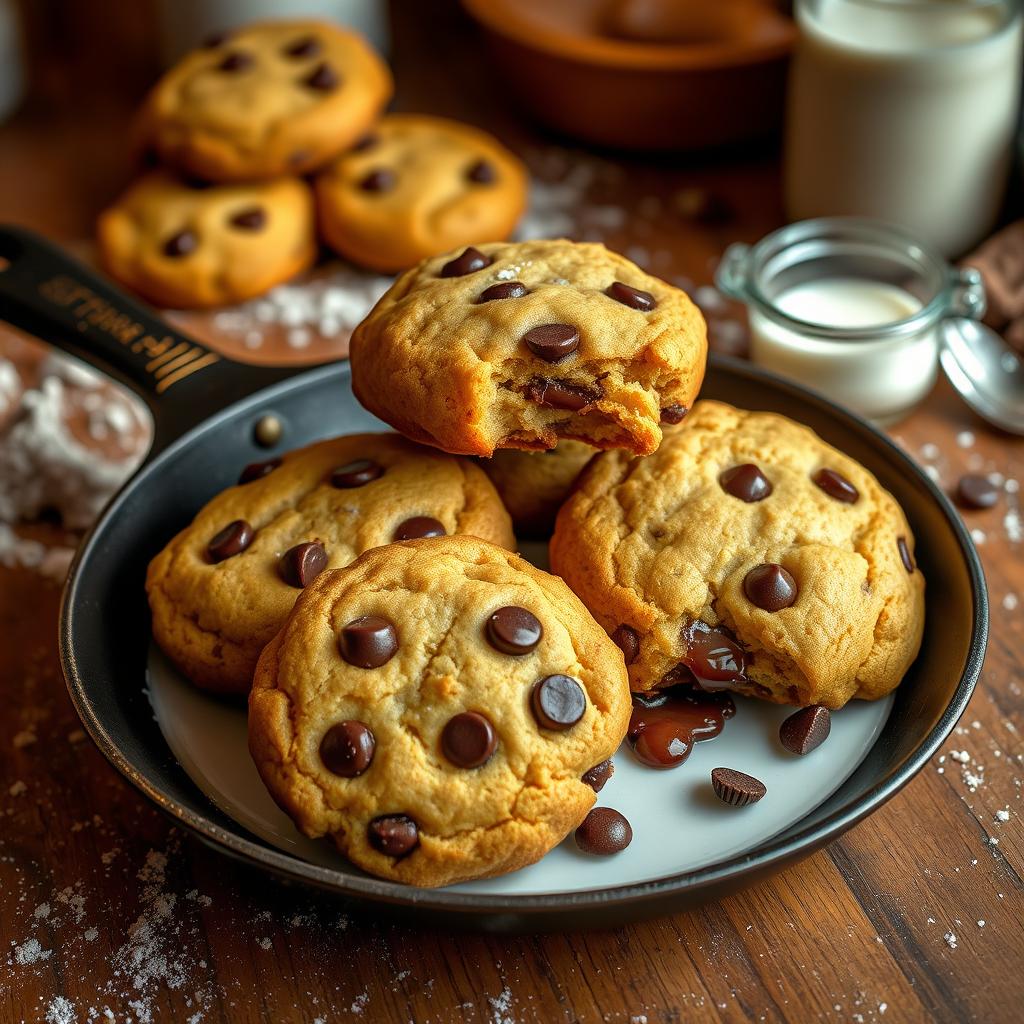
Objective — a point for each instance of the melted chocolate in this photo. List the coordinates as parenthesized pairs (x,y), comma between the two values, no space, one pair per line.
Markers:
(665,724)
(713,656)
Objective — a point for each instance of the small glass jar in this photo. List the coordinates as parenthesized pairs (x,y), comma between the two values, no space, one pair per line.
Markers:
(851,308)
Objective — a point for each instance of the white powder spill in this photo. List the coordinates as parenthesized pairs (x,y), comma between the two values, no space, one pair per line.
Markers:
(951,939)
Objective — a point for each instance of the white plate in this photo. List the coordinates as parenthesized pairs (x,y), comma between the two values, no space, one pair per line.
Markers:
(678,822)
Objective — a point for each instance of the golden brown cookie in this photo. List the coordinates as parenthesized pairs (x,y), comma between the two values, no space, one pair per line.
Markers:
(750,555)
(268,99)
(517,345)
(433,708)
(418,186)
(223,586)
(185,245)
(533,485)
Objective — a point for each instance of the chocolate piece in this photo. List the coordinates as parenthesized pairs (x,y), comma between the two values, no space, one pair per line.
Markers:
(552,342)
(308,46)
(504,290)
(558,702)
(236,61)
(604,831)
(232,540)
(557,394)
(665,724)
(181,244)
(258,470)
(736,788)
(714,656)
(268,430)
(468,740)
(632,297)
(394,835)
(628,641)
(835,485)
(300,565)
(469,262)
(379,180)
(904,550)
(356,473)
(368,642)
(975,491)
(252,218)
(806,729)
(746,482)
(597,776)
(323,78)
(673,414)
(420,526)
(770,587)
(482,173)
(347,749)
(513,630)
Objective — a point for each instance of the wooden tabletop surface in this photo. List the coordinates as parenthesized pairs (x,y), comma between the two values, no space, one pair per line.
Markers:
(107,912)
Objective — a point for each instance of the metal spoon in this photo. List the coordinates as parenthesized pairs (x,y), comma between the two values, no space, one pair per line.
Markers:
(987,374)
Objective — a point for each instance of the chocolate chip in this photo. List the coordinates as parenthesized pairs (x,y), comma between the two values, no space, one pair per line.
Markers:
(252,218)
(356,473)
(469,262)
(552,342)
(394,835)
(673,414)
(482,173)
(368,141)
(347,749)
(513,630)
(379,180)
(806,729)
(232,540)
(628,641)
(258,470)
(300,565)
(368,642)
(746,482)
(904,550)
(557,394)
(235,61)
(558,702)
(604,831)
(835,485)
(468,740)
(632,297)
(307,46)
(181,244)
(714,656)
(323,78)
(976,492)
(770,587)
(420,526)
(597,776)
(736,788)
(504,290)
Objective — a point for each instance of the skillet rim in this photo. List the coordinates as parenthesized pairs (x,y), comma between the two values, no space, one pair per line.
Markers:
(762,859)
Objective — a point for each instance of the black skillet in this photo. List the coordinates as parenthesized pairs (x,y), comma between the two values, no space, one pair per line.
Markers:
(205,409)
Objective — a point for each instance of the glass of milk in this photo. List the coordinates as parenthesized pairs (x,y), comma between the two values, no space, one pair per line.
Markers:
(851,308)
(905,111)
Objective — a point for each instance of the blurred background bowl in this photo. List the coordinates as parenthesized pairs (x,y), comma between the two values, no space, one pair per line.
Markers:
(644,74)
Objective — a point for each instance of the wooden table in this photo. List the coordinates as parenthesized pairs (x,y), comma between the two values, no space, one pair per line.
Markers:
(109,913)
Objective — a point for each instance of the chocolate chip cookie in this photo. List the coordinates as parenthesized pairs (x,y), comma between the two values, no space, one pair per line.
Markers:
(272,98)
(223,586)
(746,554)
(186,245)
(533,485)
(417,186)
(433,708)
(518,345)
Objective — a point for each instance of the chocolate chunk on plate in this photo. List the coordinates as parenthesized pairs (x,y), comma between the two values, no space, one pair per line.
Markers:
(806,729)
(736,788)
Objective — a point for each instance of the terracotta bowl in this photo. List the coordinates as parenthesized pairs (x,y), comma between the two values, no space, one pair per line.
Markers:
(644,74)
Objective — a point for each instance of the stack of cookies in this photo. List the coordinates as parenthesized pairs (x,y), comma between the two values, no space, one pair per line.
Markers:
(438,706)
(270,138)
